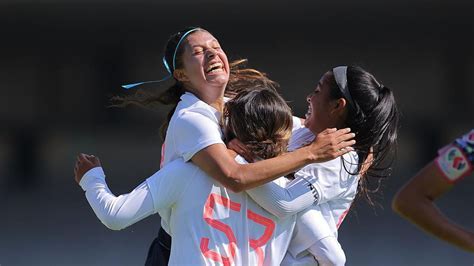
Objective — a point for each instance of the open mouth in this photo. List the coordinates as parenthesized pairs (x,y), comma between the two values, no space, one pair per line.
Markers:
(309,112)
(216,67)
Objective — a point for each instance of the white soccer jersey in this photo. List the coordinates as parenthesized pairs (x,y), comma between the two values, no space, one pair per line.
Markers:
(209,224)
(334,192)
(193,127)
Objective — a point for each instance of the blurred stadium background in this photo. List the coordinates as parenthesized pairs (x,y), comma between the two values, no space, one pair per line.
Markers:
(61,61)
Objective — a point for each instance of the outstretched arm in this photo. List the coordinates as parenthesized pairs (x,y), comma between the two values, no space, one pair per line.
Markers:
(114,212)
(415,202)
(118,212)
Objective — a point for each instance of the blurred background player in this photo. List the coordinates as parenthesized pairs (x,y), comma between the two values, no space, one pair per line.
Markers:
(415,201)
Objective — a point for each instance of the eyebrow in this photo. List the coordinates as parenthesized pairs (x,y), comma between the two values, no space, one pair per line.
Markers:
(211,41)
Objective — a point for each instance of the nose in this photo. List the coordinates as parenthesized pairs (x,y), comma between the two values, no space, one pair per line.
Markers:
(211,53)
(308,98)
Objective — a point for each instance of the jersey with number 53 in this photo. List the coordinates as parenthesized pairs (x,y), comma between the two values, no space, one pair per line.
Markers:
(211,225)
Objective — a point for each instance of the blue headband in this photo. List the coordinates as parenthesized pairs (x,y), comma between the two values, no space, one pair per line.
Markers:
(129,86)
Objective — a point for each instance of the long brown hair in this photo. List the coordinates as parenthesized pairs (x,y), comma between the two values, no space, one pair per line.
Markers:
(240,78)
(261,119)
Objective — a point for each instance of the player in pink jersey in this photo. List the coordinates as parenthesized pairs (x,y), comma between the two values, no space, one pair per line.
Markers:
(415,201)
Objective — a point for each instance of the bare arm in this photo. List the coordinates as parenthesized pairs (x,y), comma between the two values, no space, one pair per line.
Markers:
(219,164)
(415,203)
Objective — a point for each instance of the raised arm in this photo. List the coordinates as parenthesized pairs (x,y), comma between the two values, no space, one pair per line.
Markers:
(118,212)
(219,164)
(415,202)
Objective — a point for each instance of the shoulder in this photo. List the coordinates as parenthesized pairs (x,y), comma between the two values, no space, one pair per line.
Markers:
(177,168)
(337,169)
(190,104)
(300,137)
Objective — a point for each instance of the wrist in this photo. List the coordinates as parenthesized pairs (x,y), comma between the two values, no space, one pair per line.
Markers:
(87,179)
(309,155)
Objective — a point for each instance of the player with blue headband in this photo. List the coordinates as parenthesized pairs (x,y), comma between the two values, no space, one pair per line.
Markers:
(165,63)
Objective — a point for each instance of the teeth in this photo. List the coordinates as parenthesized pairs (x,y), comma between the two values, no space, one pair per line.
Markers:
(218,66)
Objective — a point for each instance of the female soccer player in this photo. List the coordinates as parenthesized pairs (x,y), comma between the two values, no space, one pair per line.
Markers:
(210,224)
(202,75)
(415,201)
(344,97)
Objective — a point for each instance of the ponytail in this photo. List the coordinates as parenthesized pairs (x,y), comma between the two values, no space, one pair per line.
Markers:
(374,119)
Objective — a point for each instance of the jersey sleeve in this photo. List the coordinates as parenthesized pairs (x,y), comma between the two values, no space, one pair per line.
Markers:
(297,123)
(328,178)
(159,191)
(284,201)
(328,251)
(168,184)
(456,160)
(116,212)
(194,131)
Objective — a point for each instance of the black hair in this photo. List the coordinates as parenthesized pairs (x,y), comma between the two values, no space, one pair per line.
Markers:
(374,118)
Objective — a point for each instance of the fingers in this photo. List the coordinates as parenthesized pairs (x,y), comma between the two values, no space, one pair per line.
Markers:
(345,145)
(328,131)
(240,148)
(82,157)
(346,137)
(95,160)
(84,163)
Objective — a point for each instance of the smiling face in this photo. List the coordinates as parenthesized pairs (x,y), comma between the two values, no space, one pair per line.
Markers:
(324,111)
(205,66)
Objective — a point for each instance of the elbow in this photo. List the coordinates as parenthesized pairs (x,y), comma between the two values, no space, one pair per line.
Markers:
(235,187)
(234,181)
(338,260)
(282,212)
(401,203)
(337,257)
(113,224)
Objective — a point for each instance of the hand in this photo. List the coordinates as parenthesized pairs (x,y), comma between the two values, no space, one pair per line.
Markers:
(240,148)
(331,143)
(84,163)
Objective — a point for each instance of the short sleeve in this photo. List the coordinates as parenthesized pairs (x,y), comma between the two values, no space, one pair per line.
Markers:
(456,159)
(194,131)
(168,184)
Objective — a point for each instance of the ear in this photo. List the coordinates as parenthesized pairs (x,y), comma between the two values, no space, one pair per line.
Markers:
(180,75)
(338,106)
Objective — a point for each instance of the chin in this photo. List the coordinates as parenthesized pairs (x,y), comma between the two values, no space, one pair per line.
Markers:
(219,80)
